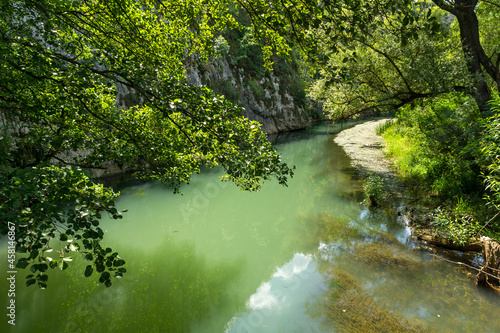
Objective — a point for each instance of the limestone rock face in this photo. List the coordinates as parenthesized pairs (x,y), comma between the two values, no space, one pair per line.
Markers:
(269,100)
(266,100)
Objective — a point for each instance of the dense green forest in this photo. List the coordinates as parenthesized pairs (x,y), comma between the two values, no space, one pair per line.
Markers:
(432,64)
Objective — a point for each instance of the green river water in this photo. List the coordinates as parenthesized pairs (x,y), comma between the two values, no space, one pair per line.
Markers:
(304,258)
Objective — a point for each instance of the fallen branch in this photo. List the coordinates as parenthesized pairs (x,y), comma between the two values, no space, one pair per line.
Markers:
(445,243)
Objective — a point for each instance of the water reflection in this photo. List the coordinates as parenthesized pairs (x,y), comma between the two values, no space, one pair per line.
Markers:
(282,260)
(379,282)
(279,305)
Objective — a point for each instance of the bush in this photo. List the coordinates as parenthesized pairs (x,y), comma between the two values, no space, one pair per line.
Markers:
(459,223)
(249,57)
(437,144)
(225,87)
(374,189)
(221,46)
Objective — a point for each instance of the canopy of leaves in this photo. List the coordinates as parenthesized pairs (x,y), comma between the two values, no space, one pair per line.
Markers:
(62,64)
(399,62)
(491,151)
(387,53)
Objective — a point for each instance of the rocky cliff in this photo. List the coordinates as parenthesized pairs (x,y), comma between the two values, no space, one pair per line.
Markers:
(275,99)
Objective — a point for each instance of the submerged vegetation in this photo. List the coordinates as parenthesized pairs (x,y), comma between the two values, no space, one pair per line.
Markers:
(374,283)
(351,309)
(389,257)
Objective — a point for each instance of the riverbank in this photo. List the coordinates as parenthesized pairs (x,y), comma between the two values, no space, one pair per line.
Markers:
(366,150)
(368,157)
(365,147)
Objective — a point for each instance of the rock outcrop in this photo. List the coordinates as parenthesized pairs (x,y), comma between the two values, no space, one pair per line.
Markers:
(266,100)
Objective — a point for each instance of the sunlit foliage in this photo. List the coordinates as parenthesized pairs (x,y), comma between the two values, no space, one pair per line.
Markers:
(62,65)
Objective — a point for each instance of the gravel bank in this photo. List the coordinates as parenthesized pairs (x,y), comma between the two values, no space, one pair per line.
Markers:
(365,148)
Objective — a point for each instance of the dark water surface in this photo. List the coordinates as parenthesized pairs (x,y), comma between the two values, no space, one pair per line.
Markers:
(304,258)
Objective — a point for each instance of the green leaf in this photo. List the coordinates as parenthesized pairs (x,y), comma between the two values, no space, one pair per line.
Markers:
(53,264)
(62,265)
(30,282)
(119,262)
(104,276)
(88,271)
(22,263)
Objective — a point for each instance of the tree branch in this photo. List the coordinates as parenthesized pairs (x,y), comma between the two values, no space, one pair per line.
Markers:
(389,58)
(85,166)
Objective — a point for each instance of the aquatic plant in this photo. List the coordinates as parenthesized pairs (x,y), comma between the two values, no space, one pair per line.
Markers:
(350,309)
(386,257)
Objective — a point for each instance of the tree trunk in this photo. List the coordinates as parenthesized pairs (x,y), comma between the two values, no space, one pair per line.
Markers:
(471,46)
(490,272)
(477,61)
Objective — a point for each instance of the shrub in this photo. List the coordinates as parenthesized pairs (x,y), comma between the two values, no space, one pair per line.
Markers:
(437,144)
(459,224)
(221,46)
(374,189)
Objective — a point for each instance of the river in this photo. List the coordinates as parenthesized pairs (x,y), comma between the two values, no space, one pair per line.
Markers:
(304,258)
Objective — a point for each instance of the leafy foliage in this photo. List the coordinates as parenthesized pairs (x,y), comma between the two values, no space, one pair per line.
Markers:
(447,149)
(388,70)
(385,54)
(438,143)
(374,188)
(63,63)
(491,153)
(57,210)
(460,224)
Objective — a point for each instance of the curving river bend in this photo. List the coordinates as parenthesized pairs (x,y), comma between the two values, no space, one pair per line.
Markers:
(304,258)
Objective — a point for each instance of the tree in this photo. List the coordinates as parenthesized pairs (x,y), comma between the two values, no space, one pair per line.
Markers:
(62,64)
(478,61)
(323,29)
(400,63)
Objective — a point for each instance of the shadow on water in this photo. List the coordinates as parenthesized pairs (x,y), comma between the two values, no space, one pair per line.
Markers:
(307,258)
(174,290)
